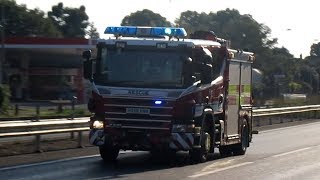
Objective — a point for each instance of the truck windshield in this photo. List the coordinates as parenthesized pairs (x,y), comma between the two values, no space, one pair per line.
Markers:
(141,68)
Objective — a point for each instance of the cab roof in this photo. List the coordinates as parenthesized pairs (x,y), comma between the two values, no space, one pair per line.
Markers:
(149,41)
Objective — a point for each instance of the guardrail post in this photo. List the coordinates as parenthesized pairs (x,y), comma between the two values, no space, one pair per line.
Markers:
(258,121)
(60,106)
(80,142)
(270,120)
(315,114)
(281,119)
(37,142)
(16,110)
(74,99)
(291,117)
(72,108)
(311,115)
(37,112)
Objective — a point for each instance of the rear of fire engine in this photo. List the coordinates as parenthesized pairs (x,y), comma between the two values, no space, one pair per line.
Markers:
(154,90)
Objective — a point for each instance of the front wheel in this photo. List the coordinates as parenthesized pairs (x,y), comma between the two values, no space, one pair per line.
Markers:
(199,155)
(109,153)
(241,148)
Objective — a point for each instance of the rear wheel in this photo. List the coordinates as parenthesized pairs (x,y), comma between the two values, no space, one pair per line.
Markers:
(241,148)
(199,155)
(109,153)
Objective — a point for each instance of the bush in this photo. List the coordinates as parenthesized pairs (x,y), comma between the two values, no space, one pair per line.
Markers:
(4,98)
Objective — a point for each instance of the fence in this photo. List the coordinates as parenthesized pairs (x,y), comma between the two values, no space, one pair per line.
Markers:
(52,109)
(285,114)
(38,128)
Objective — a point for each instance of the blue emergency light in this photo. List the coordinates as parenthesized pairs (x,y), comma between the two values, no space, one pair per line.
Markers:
(145,31)
(158,102)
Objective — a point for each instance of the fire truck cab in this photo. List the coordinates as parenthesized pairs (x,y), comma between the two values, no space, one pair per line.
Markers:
(155,90)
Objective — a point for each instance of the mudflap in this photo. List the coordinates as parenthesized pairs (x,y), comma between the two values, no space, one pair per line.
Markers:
(181,141)
(96,137)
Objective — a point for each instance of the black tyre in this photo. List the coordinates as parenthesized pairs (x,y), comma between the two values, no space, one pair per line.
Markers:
(199,155)
(109,153)
(241,148)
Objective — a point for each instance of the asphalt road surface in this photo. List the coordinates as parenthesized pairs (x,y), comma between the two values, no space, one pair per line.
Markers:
(284,153)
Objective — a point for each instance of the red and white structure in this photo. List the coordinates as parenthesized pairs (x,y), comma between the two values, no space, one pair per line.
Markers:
(38,68)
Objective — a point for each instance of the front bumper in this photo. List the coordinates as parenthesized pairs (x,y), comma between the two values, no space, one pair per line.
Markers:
(177,140)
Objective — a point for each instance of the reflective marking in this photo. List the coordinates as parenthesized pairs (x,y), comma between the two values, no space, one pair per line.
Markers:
(173,146)
(182,141)
(93,136)
(190,137)
(291,152)
(221,169)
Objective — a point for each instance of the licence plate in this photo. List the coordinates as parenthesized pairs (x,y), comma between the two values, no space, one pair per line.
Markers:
(137,110)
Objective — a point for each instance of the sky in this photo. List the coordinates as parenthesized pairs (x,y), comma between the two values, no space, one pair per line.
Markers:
(294,23)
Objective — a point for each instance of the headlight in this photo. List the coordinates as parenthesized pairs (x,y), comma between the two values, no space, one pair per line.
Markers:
(97,125)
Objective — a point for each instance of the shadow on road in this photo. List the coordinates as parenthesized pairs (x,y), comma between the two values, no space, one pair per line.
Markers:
(141,162)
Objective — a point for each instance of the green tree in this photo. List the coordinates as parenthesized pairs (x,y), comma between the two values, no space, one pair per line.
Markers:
(242,30)
(145,18)
(315,49)
(72,22)
(310,71)
(20,21)
(92,32)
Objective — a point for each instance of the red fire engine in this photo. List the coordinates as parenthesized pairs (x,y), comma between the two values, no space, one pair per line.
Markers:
(155,90)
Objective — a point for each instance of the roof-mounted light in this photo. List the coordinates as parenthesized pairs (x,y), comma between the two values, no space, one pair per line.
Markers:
(146,31)
(168,31)
(122,30)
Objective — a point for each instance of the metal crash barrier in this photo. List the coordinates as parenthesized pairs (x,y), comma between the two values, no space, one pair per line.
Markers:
(43,127)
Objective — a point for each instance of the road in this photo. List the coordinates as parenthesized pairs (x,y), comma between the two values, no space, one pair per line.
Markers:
(284,153)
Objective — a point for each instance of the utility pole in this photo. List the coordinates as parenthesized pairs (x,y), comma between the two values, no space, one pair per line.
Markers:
(2,58)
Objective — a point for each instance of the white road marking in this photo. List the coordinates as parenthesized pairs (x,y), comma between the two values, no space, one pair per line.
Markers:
(221,169)
(104,177)
(46,163)
(221,163)
(290,127)
(298,171)
(291,152)
(57,161)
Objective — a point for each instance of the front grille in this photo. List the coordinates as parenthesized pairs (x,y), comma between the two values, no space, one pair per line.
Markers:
(160,116)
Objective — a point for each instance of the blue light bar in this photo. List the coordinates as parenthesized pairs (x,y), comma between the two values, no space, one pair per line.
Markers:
(168,31)
(146,31)
(157,102)
(121,30)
